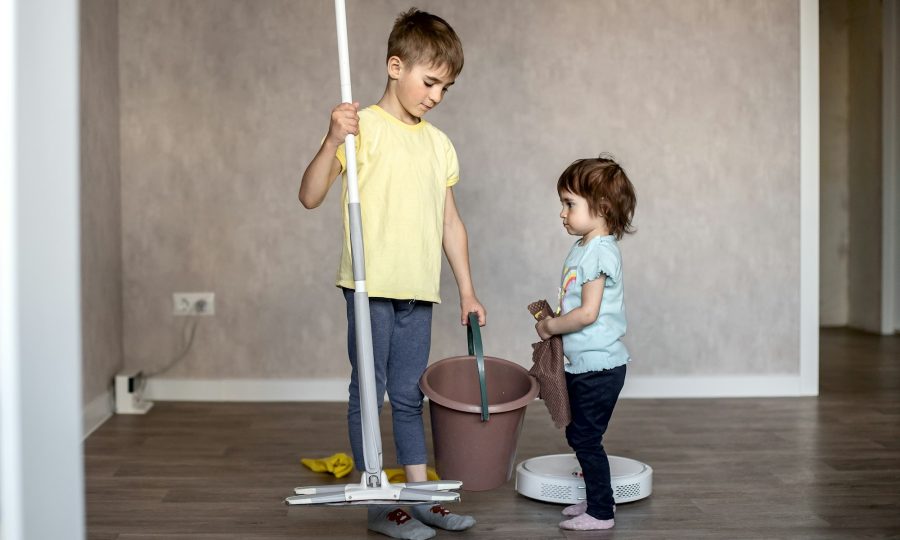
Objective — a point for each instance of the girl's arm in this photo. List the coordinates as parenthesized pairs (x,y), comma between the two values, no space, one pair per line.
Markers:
(456,247)
(578,318)
(324,168)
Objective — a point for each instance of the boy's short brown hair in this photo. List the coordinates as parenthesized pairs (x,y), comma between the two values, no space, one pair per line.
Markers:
(422,38)
(606,187)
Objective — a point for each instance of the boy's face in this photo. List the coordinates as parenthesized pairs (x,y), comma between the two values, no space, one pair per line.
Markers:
(419,87)
(576,214)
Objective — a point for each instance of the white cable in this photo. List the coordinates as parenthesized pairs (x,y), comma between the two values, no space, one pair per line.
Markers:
(186,347)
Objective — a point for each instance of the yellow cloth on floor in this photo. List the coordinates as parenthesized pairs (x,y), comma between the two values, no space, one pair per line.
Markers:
(341,465)
(398,475)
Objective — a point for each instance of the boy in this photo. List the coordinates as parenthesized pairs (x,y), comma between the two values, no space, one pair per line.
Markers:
(406,169)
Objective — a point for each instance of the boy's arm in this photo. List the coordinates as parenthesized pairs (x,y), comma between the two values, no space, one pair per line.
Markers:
(578,318)
(324,168)
(456,247)
(319,175)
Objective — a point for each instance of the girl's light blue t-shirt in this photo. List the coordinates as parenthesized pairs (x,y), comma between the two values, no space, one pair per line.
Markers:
(597,346)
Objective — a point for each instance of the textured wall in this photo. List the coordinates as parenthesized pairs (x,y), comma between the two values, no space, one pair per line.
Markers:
(851,178)
(225,101)
(864,143)
(834,184)
(101,221)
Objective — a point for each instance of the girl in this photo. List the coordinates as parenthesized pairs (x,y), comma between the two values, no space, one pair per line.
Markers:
(598,203)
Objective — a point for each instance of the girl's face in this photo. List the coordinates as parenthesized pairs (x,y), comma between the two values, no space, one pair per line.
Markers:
(577,217)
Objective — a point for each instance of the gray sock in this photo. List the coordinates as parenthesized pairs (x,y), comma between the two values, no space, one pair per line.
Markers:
(438,516)
(396,523)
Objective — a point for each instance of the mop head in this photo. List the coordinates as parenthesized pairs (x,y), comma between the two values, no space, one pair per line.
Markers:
(400,493)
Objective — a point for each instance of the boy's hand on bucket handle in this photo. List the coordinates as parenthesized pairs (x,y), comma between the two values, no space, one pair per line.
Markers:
(472,305)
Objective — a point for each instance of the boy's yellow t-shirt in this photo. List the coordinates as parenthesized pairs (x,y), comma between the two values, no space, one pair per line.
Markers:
(403,172)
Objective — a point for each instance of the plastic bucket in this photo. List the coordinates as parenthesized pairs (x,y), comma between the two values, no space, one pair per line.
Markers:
(475,440)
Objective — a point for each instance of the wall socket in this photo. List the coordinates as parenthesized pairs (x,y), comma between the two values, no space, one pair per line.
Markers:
(191,304)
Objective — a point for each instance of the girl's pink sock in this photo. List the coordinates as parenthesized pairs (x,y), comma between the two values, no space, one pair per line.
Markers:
(578,509)
(586,522)
(575,509)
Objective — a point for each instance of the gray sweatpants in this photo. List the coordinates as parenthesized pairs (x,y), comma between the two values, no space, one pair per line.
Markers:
(401,341)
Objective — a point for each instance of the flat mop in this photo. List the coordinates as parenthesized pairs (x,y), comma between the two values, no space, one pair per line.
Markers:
(374,487)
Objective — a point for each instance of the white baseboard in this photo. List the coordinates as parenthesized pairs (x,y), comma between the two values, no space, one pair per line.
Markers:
(246,390)
(724,386)
(336,389)
(95,413)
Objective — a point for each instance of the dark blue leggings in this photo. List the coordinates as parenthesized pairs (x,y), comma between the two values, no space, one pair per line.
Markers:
(592,398)
(401,342)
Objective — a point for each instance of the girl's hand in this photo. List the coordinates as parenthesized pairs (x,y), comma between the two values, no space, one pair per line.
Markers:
(344,121)
(472,305)
(541,328)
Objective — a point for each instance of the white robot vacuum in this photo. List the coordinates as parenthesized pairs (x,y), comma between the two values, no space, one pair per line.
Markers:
(557,479)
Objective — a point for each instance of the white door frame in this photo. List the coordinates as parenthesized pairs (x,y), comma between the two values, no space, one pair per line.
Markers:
(809,197)
(41,478)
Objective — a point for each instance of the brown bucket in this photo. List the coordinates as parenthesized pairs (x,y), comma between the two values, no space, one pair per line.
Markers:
(475,442)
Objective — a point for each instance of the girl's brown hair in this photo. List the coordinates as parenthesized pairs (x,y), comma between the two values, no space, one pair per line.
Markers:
(419,37)
(606,187)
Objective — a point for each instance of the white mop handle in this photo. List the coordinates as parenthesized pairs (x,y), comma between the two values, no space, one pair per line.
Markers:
(346,97)
(371,430)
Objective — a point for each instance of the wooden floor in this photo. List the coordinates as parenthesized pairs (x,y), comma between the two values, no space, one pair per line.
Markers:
(792,468)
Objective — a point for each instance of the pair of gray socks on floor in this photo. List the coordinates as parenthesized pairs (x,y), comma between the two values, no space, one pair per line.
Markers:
(397,523)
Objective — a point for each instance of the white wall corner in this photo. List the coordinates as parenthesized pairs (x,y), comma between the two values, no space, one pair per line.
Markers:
(40,423)
(809,197)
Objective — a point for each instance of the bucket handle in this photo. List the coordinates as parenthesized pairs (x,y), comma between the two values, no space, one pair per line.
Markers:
(477,350)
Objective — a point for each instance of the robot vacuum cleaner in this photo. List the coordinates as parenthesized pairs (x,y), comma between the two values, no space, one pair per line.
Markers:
(557,479)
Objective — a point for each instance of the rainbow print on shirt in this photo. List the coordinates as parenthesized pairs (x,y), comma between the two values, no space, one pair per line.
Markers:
(569,275)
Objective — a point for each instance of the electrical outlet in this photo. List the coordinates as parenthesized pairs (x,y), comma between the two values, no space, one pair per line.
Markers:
(191,304)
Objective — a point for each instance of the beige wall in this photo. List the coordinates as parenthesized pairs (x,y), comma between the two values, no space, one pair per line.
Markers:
(224,102)
(101,229)
(851,161)
(834,183)
(864,143)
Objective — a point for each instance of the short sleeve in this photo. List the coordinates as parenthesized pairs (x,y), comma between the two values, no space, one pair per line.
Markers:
(452,165)
(341,153)
(600,260)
